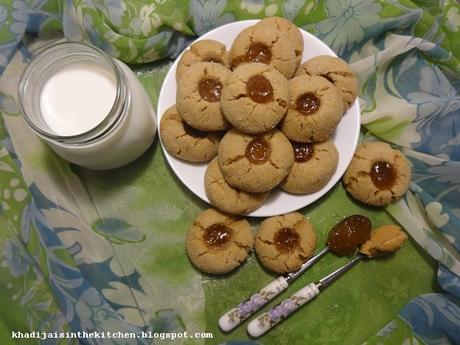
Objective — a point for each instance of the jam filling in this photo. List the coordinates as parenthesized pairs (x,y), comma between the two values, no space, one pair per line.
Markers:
(307,103)
(302,151)
(217,236)
(210,89)
(383,175)
(349,234)
(258,151)
(256,52)
(259,89)
(286,240)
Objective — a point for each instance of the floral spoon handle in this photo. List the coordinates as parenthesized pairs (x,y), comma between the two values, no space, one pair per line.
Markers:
(237,315)
(275,315)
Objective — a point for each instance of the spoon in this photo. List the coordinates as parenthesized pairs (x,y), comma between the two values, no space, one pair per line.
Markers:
(266,321)
(383,240)
(343,239)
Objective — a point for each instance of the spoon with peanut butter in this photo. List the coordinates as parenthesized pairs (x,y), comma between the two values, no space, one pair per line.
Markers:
(344,239)
(384,240)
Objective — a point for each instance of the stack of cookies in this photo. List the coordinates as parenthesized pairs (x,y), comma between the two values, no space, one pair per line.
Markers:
(268,118)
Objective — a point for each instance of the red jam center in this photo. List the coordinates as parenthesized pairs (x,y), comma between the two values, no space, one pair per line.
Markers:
(307,103)
(383,175)
(302,151)
(256,52)
(210,89)
(286,240)
(217,236)
(258,151)
(259,89)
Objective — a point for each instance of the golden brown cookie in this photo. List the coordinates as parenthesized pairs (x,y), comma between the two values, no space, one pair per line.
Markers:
(377,174)
(314,109)
(314,165)
(225,197)
(254,98)
(284,243)
(185,142)
(198,95)
(218,243)
(337,72)
(264,44)
(252,163)
(202,51)
(291,30)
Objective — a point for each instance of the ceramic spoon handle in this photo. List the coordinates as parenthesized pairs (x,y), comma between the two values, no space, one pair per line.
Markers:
(235,316)
(275,315)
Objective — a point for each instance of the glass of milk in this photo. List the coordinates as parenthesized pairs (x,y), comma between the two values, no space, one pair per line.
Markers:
(89,107)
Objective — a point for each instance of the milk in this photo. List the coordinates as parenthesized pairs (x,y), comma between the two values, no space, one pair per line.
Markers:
(131,137)
(77,98)
(89,107)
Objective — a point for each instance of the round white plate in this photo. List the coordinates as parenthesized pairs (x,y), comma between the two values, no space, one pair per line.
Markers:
(345,138)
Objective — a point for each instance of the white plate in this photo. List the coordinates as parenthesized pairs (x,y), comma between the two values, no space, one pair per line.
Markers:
(345,138)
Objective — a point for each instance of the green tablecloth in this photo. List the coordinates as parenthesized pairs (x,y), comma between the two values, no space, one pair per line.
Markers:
(95,251)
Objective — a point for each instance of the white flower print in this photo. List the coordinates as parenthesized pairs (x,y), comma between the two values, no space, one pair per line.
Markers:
(291,8)
(436,98)
(453,19)
(208,14)
(146,21)
(114,9)
(347,22)
(252,6)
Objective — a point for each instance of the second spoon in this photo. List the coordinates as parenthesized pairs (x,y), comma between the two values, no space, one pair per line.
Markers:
(343,239)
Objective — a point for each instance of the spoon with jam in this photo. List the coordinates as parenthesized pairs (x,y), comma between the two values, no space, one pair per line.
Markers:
(344,239)
(382,241)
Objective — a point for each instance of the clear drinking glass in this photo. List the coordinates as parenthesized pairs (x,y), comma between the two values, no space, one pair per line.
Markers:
(122,135)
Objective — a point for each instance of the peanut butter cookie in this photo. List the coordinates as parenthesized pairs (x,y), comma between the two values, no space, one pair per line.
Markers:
(314,165)
(218,243)
(185,142)
(254,98)
(314,109)
(198,95)
(337,72)
(377,174)
(291,30)
(252,163)
(225,197)
(284,243)
(264,44)
(202,51)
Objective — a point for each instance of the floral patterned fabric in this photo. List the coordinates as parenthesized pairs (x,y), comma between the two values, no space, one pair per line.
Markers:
(103,251)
